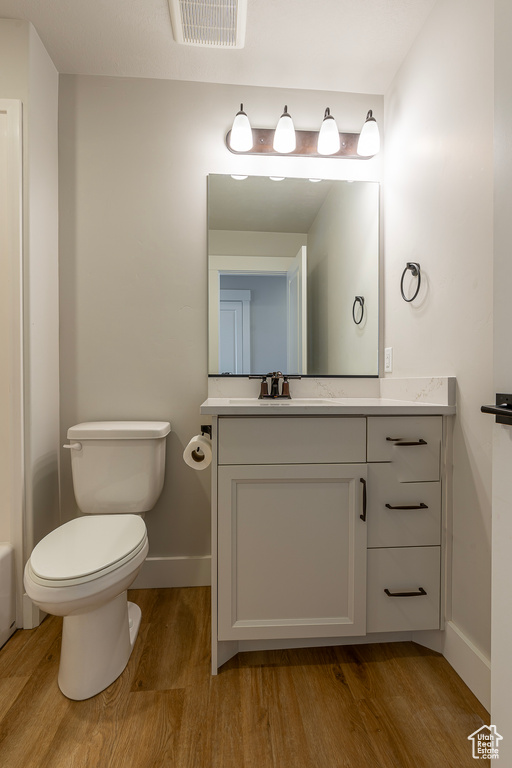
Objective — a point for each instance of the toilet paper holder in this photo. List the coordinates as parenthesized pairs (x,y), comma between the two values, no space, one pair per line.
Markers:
(198,452)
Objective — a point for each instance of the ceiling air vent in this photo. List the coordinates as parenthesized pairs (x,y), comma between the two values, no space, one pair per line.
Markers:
(209,23)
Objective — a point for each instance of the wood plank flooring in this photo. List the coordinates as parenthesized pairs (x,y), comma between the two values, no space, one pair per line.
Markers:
(394,705)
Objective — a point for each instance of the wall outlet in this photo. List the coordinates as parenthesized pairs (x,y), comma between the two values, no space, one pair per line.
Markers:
(388,359)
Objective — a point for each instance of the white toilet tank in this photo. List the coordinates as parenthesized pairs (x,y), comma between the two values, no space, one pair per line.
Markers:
(118,466)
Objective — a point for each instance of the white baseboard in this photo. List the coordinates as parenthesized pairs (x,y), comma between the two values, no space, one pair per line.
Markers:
(466,659)
(165,572)
(469,662)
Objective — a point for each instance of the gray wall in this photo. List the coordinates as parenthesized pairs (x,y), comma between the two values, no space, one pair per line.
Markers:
(134,159)
(343,262)
(438,206)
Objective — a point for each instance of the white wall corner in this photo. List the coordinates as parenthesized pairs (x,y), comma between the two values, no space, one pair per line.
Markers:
(466,659)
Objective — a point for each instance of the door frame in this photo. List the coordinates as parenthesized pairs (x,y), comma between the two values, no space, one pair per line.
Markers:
(12,224)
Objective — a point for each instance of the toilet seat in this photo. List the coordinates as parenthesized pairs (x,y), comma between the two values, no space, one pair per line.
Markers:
(86,548)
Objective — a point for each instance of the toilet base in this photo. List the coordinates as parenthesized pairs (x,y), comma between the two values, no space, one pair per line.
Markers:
(96,647)
(134,617)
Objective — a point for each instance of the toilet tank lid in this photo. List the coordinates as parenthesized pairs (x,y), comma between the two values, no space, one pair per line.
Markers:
(119,430)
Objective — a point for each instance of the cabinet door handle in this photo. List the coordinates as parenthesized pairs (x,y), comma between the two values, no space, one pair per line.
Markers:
(421,505)
(419,593)
(399,441)
(363,516)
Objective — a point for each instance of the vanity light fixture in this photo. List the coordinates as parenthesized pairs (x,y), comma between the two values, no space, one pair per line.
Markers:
(284,135)
(314,181)
(238,178)
(240,136)
(369,139)
(329,137)
(277,178)
(285,140)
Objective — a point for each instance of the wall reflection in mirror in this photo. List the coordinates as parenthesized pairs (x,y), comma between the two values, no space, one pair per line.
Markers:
(286,260)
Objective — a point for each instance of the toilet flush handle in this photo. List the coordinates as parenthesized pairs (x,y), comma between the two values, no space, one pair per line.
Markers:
(73,446)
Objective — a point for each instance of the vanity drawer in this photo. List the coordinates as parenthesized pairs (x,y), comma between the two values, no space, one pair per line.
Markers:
(411,443)
(389,526)
(399,570)
(290,440)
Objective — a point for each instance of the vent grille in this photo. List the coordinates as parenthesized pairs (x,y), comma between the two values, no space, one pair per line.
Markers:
(209,23)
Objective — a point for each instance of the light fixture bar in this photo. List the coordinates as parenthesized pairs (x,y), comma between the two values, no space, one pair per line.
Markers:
(307,142)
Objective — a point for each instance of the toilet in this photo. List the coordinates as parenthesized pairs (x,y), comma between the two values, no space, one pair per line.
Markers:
(82,569)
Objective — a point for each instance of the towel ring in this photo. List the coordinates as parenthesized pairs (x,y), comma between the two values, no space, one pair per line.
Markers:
(416,272)
(358,300)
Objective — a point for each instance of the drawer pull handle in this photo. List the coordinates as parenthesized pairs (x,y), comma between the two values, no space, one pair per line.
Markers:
(363,516)
(419,593)
(421,505)
(399,441)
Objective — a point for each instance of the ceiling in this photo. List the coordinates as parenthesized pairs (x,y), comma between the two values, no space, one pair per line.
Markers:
(259,204)
(334,45)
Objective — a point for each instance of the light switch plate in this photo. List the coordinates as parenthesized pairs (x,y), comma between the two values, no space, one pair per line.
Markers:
(388,360)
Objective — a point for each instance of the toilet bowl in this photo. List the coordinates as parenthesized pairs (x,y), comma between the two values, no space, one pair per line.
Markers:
(67,576)
(82,570)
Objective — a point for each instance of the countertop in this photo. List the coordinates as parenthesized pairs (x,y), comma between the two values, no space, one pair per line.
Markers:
(314,406)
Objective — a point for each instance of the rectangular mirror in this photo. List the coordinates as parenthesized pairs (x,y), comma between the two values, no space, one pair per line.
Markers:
(293,276)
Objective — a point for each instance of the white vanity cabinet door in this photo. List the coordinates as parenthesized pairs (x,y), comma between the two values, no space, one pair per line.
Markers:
(411,443)
(291,551)
(402,514)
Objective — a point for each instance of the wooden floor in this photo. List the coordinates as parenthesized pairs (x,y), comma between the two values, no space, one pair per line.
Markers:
(396,705)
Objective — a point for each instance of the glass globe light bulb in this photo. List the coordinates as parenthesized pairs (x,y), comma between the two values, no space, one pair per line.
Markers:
(284,135)
(369,138)
(329,137)
(240,138)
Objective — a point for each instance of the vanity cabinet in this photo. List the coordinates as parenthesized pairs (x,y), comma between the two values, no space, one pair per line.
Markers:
(404,523)
(411,443)
(291,551)
(324,527)
(292,440)
(291,527)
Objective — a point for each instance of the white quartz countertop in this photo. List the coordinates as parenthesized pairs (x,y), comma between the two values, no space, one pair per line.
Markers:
(316,406)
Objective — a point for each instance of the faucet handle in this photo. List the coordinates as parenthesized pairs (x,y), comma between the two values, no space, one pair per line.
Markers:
(286,385)
(263,385)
